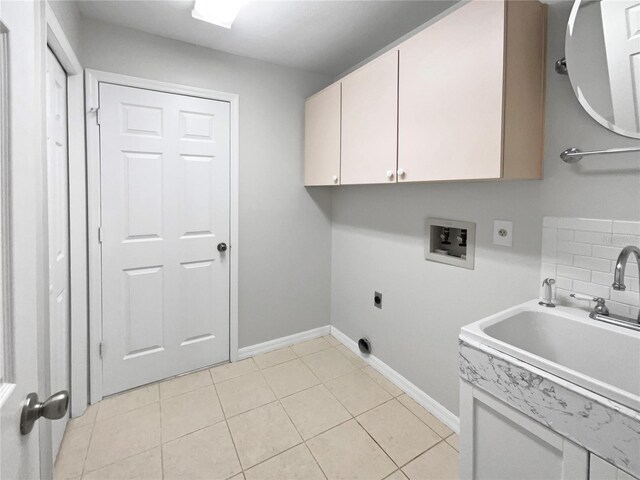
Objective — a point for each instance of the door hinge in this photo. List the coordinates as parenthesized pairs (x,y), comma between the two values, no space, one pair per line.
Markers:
(101,349)
(98,110)
(99,234)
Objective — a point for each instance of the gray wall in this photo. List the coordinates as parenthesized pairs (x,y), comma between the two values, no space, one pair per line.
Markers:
(378,241)
(285,230)
(597,187)
(298,249)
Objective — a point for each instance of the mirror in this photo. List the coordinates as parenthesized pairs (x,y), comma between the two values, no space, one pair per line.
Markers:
(603,60)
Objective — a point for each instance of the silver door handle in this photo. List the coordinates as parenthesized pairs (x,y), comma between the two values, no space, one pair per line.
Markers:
(53,408)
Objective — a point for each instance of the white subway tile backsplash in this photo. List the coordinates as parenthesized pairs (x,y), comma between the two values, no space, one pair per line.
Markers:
(602,278)
(564,283)
(566,235)
(591,289)
(564,259)
(619,308)
(622,240)
(581,254)
(549,245)
(587,224)
(575,248)
(600,251)
(630,228)
(631,271)
(574,273)
(591,263)
(628,297)
(597,238)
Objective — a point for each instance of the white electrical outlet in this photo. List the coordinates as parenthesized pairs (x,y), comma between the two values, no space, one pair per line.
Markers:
(503,233)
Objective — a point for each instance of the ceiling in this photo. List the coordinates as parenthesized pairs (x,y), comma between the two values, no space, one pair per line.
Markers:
(326,37)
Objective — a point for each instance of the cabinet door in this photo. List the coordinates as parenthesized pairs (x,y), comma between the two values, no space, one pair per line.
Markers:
(370,122)
(322,137)
(451,95)
(599,469)
(498,442)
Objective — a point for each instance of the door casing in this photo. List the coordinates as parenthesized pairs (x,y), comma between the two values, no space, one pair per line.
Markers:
(92,80)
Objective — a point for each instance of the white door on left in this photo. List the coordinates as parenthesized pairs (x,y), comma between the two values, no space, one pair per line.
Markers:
(24,296)
(58,222)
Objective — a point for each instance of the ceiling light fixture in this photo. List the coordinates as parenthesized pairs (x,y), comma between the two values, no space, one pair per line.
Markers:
(218,12)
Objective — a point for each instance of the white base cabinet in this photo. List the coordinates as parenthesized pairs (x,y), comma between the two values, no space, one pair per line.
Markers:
(497,442)
(600,469)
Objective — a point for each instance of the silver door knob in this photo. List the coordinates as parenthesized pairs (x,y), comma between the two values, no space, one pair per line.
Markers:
(222,247)
(53,408)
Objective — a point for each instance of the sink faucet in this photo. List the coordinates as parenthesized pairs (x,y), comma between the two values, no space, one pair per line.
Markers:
(621,263)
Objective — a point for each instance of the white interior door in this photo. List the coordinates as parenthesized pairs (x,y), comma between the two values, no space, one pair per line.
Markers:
(58,222)
(623,59)
(165,210)
(21,240)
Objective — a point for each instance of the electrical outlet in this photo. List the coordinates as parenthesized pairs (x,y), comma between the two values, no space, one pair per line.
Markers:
(377,300)
(503,233)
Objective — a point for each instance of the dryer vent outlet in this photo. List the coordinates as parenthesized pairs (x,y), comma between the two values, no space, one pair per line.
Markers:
(364,345)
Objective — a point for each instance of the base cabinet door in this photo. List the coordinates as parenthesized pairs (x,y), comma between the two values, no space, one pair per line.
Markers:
(600,469)
(499,443)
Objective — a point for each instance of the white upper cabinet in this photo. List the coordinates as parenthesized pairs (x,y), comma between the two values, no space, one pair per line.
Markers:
(450,111)
(322,137)
(463,81)
(461,100)
(369,122)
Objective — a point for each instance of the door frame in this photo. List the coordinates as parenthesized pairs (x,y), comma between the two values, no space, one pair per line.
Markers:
(59,44)
(92,101)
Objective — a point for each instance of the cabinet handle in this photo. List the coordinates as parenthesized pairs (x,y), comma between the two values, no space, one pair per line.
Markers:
(400,172)
(335,179)
(389,173)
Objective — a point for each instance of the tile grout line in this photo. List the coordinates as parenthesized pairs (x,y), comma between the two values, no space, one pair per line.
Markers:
(86,453)
(233,442)
(85,471)
(293,424)
(161,436)
(441,439)
(279,400)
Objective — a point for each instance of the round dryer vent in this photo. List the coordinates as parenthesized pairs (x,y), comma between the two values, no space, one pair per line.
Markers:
(364,345)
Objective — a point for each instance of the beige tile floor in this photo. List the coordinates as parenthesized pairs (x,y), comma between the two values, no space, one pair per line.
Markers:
(310,411)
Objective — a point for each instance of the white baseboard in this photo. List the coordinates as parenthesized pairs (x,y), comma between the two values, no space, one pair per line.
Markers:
(252,350)
(436,408)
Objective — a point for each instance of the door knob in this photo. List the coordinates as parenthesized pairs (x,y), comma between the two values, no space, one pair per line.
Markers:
(222,247)
(53,408)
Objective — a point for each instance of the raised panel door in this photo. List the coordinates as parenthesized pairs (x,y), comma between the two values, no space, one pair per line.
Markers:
(165,208)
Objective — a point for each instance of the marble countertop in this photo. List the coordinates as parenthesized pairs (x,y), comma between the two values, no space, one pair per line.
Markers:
(602,426)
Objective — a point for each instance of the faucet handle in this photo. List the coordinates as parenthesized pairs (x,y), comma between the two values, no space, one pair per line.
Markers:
(580,296)
(601,306)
